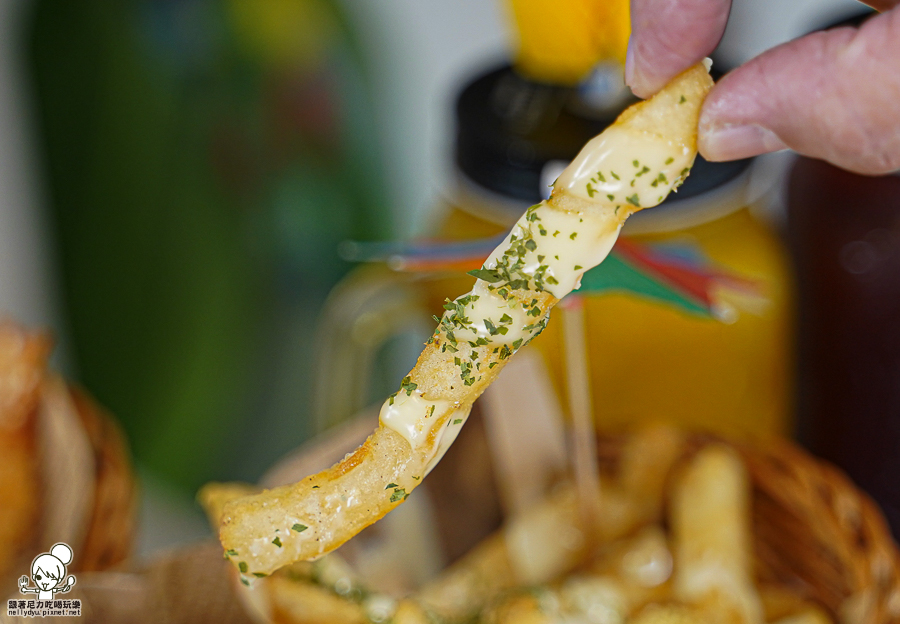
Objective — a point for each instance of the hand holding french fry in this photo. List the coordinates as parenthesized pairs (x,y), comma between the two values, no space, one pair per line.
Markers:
(632,165)
(829,95)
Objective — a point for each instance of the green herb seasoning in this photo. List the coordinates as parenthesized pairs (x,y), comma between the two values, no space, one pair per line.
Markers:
(408,385)
(488,275)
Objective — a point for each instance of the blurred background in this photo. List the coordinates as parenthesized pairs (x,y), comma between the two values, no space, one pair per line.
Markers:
(179,180)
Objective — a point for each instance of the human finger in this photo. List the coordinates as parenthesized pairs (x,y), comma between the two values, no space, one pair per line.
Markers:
(668,36)
(833,95)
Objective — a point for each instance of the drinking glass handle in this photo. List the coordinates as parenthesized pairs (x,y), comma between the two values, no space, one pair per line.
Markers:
(370,306)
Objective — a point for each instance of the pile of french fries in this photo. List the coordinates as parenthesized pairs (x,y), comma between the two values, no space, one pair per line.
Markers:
(673,544)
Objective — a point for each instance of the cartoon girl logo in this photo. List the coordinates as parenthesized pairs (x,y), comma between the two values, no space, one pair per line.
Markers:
(48,571)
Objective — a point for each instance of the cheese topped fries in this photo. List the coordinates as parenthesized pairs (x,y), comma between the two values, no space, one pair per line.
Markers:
(632,165)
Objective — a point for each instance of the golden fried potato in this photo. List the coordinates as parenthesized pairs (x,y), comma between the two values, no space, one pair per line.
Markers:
(781,605)
(313,517)
(408,612)
(647,460)
(710,518)
(213,497)
(809,616)
(517,608)
(668,614)
(304,603)
(520,554)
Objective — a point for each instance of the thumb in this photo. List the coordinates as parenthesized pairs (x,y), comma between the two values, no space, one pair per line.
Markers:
(668,36)
(833,95)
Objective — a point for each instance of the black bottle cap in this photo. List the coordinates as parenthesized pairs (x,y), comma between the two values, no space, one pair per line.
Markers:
(509,128)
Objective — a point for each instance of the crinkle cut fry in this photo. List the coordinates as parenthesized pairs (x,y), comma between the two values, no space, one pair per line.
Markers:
(265,531)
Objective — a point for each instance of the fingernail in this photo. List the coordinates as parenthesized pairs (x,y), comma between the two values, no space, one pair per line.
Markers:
(733,142)
(629,64)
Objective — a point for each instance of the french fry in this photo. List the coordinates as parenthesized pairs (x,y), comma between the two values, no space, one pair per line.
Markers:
(594,598)
(642,564)
(782,605)
(809,616)
(668,614)
(521,554)
(213,497)
(632,165)
(710,518)
(518,608)
(491,568)
(304,603)
(408,612)
(646,561)
(647,460)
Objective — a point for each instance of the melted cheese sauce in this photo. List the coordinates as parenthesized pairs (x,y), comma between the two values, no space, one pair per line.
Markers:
(567,243)
(551,246)
(412,416)
(491,307)
(447,437)
(605,170)
(415,418)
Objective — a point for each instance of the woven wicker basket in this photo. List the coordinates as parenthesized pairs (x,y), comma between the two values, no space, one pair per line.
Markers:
(65,469)
(815,532)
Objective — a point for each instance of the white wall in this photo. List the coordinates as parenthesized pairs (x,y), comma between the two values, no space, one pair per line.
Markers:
(419,53)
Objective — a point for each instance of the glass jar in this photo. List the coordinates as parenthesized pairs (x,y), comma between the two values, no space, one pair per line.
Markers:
(725,366)
(728,372)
